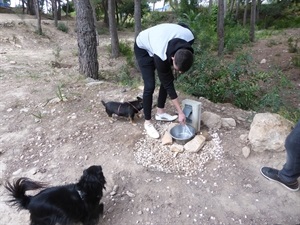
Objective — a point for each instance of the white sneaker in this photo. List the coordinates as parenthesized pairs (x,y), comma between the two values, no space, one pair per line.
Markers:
(165,117)
(151,131)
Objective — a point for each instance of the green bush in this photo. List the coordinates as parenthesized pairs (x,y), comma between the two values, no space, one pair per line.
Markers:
(126,50)
(293,45)
(62,27)
(124,77)
(222,81)
(296,60)
(153,18)
(235,37)
(290,113)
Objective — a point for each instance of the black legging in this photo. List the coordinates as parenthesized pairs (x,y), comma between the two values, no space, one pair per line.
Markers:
(147,68)
(291,169)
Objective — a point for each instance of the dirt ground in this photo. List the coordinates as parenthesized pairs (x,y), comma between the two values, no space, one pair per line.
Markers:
(53,139)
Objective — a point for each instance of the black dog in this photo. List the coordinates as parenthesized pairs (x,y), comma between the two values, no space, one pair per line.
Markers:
(62,205)
(126,109)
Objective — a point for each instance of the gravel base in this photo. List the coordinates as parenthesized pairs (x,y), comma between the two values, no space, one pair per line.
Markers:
(153,155)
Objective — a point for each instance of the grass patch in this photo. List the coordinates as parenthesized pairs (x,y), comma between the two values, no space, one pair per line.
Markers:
(62,27)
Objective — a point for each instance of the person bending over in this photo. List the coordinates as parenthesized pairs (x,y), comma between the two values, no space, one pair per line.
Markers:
(161,48)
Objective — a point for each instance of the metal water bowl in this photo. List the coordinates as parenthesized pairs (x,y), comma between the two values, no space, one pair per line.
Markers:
(182,133)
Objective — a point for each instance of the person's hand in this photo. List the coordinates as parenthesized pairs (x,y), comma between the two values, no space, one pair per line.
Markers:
(181,118)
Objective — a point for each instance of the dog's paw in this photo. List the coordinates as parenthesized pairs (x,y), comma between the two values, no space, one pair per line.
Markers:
(139,115)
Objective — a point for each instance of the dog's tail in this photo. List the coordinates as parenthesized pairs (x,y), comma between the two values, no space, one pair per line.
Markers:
(17,191)
(103,102)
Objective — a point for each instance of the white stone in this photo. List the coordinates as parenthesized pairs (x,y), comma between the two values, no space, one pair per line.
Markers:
(244,137)
(167,138)
(176,148)
(246,151)
(263,61)
(268,131)
(195,144)
(211,120)
(228,123)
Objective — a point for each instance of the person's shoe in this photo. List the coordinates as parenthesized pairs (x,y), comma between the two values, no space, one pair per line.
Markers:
(165,117)
(272,175)
(151,131)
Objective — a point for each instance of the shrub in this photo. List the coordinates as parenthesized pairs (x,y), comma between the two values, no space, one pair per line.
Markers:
(126,50)
(62,27)
(222,81)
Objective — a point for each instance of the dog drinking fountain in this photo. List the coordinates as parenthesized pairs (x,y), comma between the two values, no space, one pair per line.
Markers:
(192,112)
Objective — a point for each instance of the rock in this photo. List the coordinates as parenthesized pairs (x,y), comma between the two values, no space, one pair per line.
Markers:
(177,148)
(207,136)
(93,83)
(131,195)
(24,110)
(263,61)
(211,120)
(167,138)
(244,137)
(17,172)
(195,144)
(113,193)
(228,123)
(268,131)
(115,188)
(246,151)
(2,169)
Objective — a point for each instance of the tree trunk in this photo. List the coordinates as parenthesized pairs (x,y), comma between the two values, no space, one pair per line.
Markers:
(225,8)
(95,20)
(231,7)
(38,17)
(257,10)
(210,4)
(30,7)
(67,8)
(220,27)
(86,37)
(23,6)
(245,13)
(137,17)
(104,6)
(252,21)
(54,8)
(237,10)
(58,10)
(115,51)
(118,18)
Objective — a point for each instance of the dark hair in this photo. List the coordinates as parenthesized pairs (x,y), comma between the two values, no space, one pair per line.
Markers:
(183,59)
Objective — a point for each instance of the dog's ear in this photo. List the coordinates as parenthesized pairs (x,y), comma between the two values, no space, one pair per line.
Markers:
(139,99)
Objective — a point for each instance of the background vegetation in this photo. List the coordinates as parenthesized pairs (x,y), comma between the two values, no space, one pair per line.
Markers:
(232,77)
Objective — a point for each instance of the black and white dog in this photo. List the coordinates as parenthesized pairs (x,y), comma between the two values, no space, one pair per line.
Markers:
(61,205)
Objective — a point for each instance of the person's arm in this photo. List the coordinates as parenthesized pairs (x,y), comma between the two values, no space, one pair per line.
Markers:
(181,115)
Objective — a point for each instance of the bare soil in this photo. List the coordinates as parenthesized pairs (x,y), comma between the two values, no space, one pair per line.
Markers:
(52,138)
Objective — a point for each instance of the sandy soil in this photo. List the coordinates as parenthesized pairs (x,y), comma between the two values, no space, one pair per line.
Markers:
(50,140)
